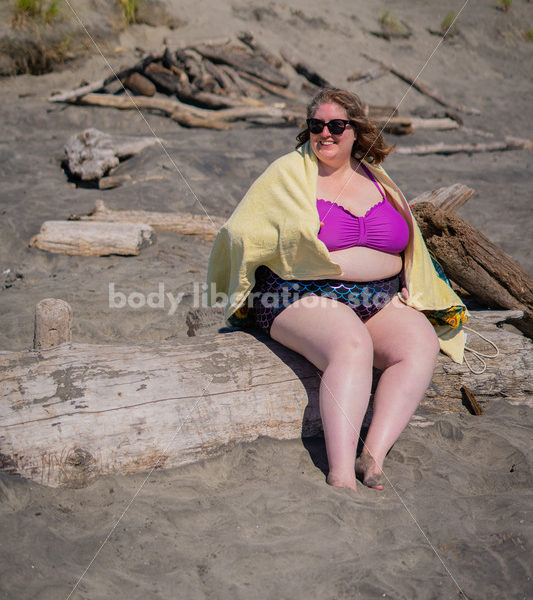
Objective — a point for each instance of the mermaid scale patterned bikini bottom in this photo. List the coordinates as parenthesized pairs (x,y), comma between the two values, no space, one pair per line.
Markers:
(272,294)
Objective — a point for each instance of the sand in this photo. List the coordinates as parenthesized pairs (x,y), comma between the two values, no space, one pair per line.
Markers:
(259,521)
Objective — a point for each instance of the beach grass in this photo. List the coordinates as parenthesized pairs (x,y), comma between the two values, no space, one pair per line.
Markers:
(36,10)
(505,5)
(129,10)
(448,21)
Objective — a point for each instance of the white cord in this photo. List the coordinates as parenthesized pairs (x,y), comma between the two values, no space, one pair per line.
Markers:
(480,355)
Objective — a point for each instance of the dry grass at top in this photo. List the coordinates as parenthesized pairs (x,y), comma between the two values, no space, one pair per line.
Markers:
(35,10)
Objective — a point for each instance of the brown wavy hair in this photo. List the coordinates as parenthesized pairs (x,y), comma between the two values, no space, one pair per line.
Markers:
(369,143)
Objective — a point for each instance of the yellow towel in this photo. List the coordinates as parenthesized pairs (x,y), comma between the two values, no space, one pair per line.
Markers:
(276,224)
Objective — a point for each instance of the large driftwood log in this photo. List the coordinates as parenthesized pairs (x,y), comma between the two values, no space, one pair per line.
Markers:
(77,411)
(509,143)
(193,116)
(184,223)
(476,264)
(92,239)
(448,198)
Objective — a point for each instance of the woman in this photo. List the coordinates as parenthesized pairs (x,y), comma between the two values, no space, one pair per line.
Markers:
(319,247)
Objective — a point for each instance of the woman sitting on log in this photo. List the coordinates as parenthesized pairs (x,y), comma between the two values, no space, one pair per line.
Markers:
(324,255)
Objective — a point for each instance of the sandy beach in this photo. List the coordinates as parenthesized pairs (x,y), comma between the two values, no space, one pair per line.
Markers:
(259,521)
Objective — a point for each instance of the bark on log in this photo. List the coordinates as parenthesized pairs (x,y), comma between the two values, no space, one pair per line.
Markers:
(184,223)
(78,238)
(77,411)
(91,153)
(53,324)
(510,143)
(448,198)
(476,264)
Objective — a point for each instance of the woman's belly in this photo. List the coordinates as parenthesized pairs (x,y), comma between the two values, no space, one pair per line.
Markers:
(366,264)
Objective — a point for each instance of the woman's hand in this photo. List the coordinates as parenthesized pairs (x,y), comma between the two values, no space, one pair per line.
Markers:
(405,293)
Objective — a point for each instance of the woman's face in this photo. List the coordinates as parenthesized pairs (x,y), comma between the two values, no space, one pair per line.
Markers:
(332,150)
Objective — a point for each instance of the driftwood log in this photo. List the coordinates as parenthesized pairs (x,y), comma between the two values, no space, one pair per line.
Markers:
(476,264)
(77,411)
(193,116)
(184,223)
(509,143)
(90,154)
(80,238)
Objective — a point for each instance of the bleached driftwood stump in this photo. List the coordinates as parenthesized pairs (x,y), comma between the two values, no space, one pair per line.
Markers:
(77,411)
(53,324)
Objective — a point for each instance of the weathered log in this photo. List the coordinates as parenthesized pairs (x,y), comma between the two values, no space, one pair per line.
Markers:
(237,79)
(252,64)
(303,68)
(369,75)
(376,111)
(165,105)
(77,411)
(448,198)
(92,239)
(164,79)
(476,264)
(139,84)
(269,87)
(53,324)
(509,143)
(91,153)
(184,223)
(225,82)
(422,88)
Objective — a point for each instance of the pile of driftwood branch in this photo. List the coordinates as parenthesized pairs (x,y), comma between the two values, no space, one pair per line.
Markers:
(212,84)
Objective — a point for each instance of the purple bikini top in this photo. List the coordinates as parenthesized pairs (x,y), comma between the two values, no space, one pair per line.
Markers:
(381,228)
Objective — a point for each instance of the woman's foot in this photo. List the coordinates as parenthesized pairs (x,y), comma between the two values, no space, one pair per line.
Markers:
(339,481)
(369,471)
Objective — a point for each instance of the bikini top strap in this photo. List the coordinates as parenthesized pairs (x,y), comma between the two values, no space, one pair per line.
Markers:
(373,179)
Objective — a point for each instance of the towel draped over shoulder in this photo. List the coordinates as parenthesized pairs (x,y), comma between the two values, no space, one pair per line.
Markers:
(276,225)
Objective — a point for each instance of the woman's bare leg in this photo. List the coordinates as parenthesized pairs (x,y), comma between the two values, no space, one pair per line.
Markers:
(405,349)
(332,337)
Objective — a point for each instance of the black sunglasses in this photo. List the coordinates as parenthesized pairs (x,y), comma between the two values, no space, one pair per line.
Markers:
(335,126)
